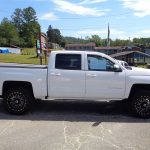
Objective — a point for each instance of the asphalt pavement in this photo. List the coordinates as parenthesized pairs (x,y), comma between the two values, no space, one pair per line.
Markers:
(74,125)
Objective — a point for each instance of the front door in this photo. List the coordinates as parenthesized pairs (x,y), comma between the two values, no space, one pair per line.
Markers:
(101,81)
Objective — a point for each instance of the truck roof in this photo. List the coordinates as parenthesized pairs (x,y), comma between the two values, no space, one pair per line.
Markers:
(81,52)
(76,52)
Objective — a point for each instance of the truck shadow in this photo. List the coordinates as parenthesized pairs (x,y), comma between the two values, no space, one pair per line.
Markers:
(77,111)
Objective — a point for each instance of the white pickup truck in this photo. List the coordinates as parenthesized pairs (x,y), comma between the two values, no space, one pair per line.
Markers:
(74,75)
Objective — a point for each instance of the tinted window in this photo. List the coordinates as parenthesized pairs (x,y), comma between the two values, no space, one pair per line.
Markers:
(68,61)
(98,63)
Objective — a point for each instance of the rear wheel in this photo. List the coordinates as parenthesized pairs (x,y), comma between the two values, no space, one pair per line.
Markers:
(17,100)
(141,104)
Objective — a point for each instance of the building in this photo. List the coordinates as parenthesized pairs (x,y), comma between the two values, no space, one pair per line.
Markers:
(132,57)
(81,47)
(131,54)
(109,50)
(44,40)
(147,51)
(117,49)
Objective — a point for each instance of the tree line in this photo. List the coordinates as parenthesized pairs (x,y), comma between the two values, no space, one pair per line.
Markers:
(140,42)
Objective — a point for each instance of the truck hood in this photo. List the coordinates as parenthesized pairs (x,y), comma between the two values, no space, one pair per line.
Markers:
(136,71)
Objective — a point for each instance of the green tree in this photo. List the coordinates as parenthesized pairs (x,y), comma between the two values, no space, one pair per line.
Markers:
(8,33)
(119,42)
(74,40)
(54,35)
(17,19)
(30,27)
(104,42)
(29,15)
(30,32)
(27,25)
(96,39)
(144,42)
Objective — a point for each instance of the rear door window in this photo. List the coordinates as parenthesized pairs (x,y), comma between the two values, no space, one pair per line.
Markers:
(68,61)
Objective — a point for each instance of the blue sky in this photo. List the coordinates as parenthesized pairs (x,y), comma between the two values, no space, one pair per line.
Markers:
(81,18)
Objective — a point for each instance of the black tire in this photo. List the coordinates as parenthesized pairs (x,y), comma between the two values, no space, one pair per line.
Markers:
(17,100)
(141,104)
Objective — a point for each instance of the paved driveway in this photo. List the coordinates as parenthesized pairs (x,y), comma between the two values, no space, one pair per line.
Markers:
(74,126)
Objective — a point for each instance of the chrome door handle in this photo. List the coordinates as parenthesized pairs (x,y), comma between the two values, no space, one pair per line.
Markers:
(55,74)
(91,75)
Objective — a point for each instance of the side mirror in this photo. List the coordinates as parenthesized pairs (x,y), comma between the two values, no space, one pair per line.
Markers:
(117,68)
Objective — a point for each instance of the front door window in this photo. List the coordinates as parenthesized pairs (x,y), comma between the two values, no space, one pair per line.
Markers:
(98,63)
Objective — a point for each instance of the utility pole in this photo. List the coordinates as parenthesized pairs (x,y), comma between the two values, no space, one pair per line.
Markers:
(46,51)
(108,37)
(129,44)
(40,46)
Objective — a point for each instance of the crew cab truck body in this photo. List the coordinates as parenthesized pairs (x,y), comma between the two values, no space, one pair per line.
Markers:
(74,75)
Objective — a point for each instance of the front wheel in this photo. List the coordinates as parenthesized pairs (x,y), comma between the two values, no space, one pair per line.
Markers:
(141,104)
(17,100)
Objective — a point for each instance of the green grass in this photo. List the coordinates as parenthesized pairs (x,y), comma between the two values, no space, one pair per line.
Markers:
(21,59)
(28,56)
(28,51)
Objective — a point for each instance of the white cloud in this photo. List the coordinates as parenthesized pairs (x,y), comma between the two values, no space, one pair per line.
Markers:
(142,33)
(141,8)
(76,8)
(145,31)
(49,16)
(92,1)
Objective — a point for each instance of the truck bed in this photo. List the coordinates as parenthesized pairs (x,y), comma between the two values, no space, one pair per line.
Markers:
(34,74)
(15,65)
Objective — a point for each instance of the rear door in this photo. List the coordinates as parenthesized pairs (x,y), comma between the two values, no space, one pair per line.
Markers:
(67,78)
